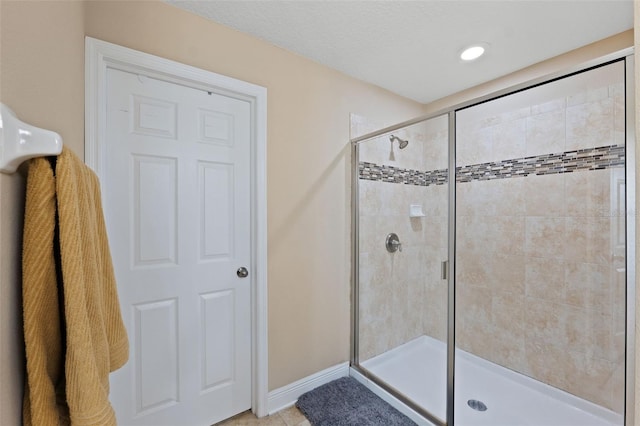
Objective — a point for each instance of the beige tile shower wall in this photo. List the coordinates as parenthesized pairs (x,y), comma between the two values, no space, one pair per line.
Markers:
(427,148)
(395,287)
(540,259)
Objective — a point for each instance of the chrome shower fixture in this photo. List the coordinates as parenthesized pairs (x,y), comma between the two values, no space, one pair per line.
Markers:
(402,142)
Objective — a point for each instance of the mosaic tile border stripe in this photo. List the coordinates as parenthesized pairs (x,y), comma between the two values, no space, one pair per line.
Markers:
(566,162)
(599,158)
(384,173)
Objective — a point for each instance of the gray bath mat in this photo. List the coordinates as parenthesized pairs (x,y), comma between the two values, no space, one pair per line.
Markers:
(346,402)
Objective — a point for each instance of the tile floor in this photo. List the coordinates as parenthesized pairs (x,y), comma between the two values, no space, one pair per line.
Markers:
(288,417)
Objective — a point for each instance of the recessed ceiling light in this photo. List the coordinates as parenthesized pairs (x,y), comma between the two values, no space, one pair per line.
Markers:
(472,52)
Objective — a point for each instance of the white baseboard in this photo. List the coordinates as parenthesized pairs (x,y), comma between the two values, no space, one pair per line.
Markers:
(286,396)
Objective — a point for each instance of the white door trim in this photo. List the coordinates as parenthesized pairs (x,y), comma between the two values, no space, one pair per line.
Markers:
(100,55)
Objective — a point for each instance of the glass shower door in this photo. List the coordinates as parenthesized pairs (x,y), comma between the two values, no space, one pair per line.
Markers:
(540,254)
(402,239)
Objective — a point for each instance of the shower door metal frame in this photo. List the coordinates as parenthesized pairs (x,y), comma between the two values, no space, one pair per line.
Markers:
(630,223)
(626,55)
(355,269)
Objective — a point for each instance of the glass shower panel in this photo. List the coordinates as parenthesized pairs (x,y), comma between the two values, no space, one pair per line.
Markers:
(402,214)
(540,254)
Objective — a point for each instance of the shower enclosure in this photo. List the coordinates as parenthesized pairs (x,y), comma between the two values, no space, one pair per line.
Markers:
(493,279)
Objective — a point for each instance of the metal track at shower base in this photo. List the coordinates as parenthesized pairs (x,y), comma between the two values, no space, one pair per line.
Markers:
(398,395)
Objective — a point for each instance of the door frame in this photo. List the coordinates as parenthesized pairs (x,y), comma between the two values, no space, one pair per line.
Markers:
(101,55)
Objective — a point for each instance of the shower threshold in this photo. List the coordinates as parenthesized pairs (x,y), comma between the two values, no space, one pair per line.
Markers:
(486,394)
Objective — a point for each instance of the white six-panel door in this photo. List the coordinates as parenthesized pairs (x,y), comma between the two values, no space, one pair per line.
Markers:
(177,204)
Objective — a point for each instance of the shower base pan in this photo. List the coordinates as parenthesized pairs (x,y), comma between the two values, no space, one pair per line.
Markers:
(486,394)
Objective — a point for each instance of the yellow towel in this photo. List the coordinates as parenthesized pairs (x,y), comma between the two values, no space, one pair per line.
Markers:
(74,334)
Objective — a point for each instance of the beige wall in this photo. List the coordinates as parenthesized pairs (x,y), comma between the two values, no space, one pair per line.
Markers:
(41,79)
(308,158)
(11,343)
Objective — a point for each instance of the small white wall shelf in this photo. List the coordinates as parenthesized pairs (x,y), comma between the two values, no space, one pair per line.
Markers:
(415,210)
(20,141)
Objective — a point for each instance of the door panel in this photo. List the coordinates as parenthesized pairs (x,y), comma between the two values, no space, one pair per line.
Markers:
(217,312)
(154,189)
(216,210)
(157,354)
(177,205)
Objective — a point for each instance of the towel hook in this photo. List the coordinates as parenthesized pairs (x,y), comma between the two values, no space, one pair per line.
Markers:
(20,141)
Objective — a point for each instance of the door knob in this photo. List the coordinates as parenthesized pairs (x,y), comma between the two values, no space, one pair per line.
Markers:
(242,272)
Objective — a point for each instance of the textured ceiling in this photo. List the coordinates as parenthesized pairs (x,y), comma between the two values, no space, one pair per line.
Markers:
(412,47)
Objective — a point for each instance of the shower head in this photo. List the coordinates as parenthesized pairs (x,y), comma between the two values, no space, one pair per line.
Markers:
(401,142)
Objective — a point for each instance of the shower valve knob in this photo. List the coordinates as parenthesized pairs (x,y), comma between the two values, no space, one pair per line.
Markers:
(392,243)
